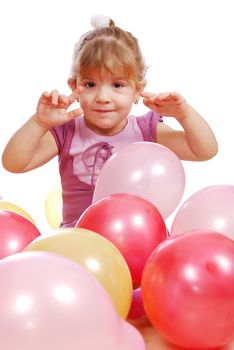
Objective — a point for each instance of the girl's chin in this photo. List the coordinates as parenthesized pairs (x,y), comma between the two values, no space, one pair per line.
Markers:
(104,127)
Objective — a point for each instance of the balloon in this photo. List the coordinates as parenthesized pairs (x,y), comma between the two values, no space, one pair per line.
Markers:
(211,208)
(145,169)
(4,205)
(128,339)
(133,224)
(16,232)
(137,308)
(49,302)
(96,254)
(188,290)
(53,208)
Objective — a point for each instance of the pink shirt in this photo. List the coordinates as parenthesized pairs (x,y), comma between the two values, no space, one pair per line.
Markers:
(82,154)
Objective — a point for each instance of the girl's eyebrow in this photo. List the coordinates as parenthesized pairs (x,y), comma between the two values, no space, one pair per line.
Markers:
(111,77)
(119,76)
(86,78)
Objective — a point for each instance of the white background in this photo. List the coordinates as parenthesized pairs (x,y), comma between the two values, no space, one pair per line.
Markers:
(188,45)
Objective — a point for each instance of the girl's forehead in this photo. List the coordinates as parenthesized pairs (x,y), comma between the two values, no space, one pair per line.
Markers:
(103,74)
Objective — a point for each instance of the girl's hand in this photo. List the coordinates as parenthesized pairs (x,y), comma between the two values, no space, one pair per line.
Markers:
(52,108)
(168,104)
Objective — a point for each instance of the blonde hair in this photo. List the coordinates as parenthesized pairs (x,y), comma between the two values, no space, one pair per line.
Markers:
(111,50)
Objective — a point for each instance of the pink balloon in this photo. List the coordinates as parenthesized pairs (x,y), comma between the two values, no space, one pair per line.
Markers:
(132,224)
(49,302)
(188,290)
(211,208)
(128,340)
(137,308)
(16,232)
(145,169)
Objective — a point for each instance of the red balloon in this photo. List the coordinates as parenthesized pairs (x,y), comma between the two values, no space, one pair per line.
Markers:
(16,232)
(131,223)
(137,308)
(188,290)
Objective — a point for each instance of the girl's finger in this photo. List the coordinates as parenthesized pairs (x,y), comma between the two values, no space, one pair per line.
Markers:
(74,96)
(44,97)
(54,97)
(63,99)
(75,113)
(79,89)
(165,96)
(148,95)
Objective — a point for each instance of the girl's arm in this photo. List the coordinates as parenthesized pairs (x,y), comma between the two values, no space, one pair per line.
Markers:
(196,142)
(30,147)
(33,144)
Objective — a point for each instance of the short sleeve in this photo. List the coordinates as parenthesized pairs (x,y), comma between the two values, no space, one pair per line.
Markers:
(148,125)
(63,135)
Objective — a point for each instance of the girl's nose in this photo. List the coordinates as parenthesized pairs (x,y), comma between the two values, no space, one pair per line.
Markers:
(103,95)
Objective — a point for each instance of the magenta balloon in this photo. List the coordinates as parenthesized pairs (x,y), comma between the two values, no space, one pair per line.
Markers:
(211,208)
(145,169)
(49,302)
(137,308)
(131,223)
(188,290)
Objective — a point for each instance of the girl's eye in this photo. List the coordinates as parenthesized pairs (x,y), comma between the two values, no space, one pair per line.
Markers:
(89,84)
(118,85)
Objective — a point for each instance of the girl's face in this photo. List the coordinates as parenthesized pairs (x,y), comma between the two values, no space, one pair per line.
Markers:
(106,101)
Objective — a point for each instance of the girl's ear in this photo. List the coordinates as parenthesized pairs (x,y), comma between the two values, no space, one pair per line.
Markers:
(144,82)
(143,85)
(140,89)
(72,83)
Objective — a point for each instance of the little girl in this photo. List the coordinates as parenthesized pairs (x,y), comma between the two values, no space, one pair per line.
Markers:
(107,77)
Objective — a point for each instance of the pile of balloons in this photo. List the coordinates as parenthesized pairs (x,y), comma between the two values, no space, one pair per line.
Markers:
(120,262)
(58,289)
(185,284)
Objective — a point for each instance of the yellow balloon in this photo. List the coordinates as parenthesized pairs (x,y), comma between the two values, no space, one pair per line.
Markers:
(98,255)
(53,208)
(4,205)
